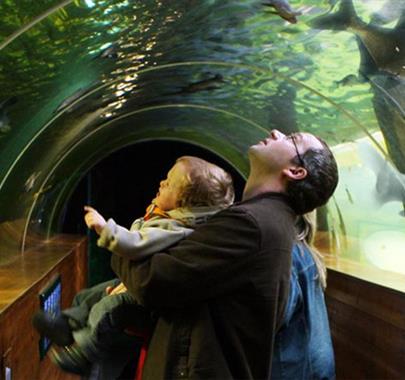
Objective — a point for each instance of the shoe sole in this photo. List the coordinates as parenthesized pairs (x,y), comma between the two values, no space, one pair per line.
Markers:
(58,361)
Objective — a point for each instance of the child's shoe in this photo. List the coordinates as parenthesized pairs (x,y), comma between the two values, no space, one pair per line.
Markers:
(57,329)
(71,359)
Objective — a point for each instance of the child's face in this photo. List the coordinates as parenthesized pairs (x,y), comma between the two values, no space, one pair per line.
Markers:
(170,189)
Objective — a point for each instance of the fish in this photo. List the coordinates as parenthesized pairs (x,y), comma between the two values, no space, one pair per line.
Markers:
(30,182)
(389,107)
(390,183)
(389,104)
(209,84)
(385,46)
(387,87)
(342,225)
(283,9)
(4,117)
(110,52)
(349,195)
(349,80)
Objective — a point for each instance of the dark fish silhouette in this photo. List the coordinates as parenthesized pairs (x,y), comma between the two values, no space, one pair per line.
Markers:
(385,46)
(388,102)
(341,219)
(283,9)
(110,52)
(209,84)
(349,80)
(349,195)
(390,183)
(4,118)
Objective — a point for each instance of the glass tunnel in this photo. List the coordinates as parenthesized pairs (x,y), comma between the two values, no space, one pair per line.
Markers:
(98,98)
(82,79)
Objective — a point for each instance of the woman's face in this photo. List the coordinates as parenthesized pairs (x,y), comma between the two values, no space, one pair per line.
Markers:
(170,188)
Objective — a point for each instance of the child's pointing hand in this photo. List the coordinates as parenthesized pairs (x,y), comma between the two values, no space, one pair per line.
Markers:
(93,219)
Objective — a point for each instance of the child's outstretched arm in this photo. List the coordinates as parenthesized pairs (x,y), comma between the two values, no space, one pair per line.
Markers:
(94,220)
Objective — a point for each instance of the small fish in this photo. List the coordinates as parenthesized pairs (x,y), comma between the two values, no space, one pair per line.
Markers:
(341,220)
(4,118)
(349,80)
(209,84)
(349,195)
(283,9)
(111,52)
(385,46)
(30,182)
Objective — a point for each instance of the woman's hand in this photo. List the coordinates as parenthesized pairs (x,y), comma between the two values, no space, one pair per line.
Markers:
(93,219)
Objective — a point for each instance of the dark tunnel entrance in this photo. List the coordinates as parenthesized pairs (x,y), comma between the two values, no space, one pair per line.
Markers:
(122,185)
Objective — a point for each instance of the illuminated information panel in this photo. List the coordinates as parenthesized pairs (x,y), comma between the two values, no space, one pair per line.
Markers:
(50,302)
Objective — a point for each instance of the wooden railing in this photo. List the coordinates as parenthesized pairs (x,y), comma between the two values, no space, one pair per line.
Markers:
(366,308)
(21,281)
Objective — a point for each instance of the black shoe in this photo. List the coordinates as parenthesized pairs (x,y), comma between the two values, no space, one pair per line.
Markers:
(71,359)
(57,329)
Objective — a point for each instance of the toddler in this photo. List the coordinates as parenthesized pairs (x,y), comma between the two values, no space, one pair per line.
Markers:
(94,328)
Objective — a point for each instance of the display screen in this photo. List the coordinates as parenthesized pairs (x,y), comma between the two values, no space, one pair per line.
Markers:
(50,302)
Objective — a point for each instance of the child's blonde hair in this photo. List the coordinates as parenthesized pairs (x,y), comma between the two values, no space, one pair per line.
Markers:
(306,235)
(206,184)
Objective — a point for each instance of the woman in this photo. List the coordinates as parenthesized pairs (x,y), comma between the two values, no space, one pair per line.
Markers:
(303,345)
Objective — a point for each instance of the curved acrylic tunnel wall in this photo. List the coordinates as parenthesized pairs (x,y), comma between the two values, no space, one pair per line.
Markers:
(81,79)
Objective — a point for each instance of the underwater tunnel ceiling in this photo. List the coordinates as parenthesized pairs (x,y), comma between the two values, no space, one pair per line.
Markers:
(84,78)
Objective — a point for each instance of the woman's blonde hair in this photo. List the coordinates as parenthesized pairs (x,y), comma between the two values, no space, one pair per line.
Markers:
(306,235)
(206,184)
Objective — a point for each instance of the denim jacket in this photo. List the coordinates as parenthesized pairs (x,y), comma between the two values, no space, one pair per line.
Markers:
(303,346)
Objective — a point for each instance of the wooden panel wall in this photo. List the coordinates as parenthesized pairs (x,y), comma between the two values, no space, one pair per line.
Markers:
(65,256)
(368,328)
